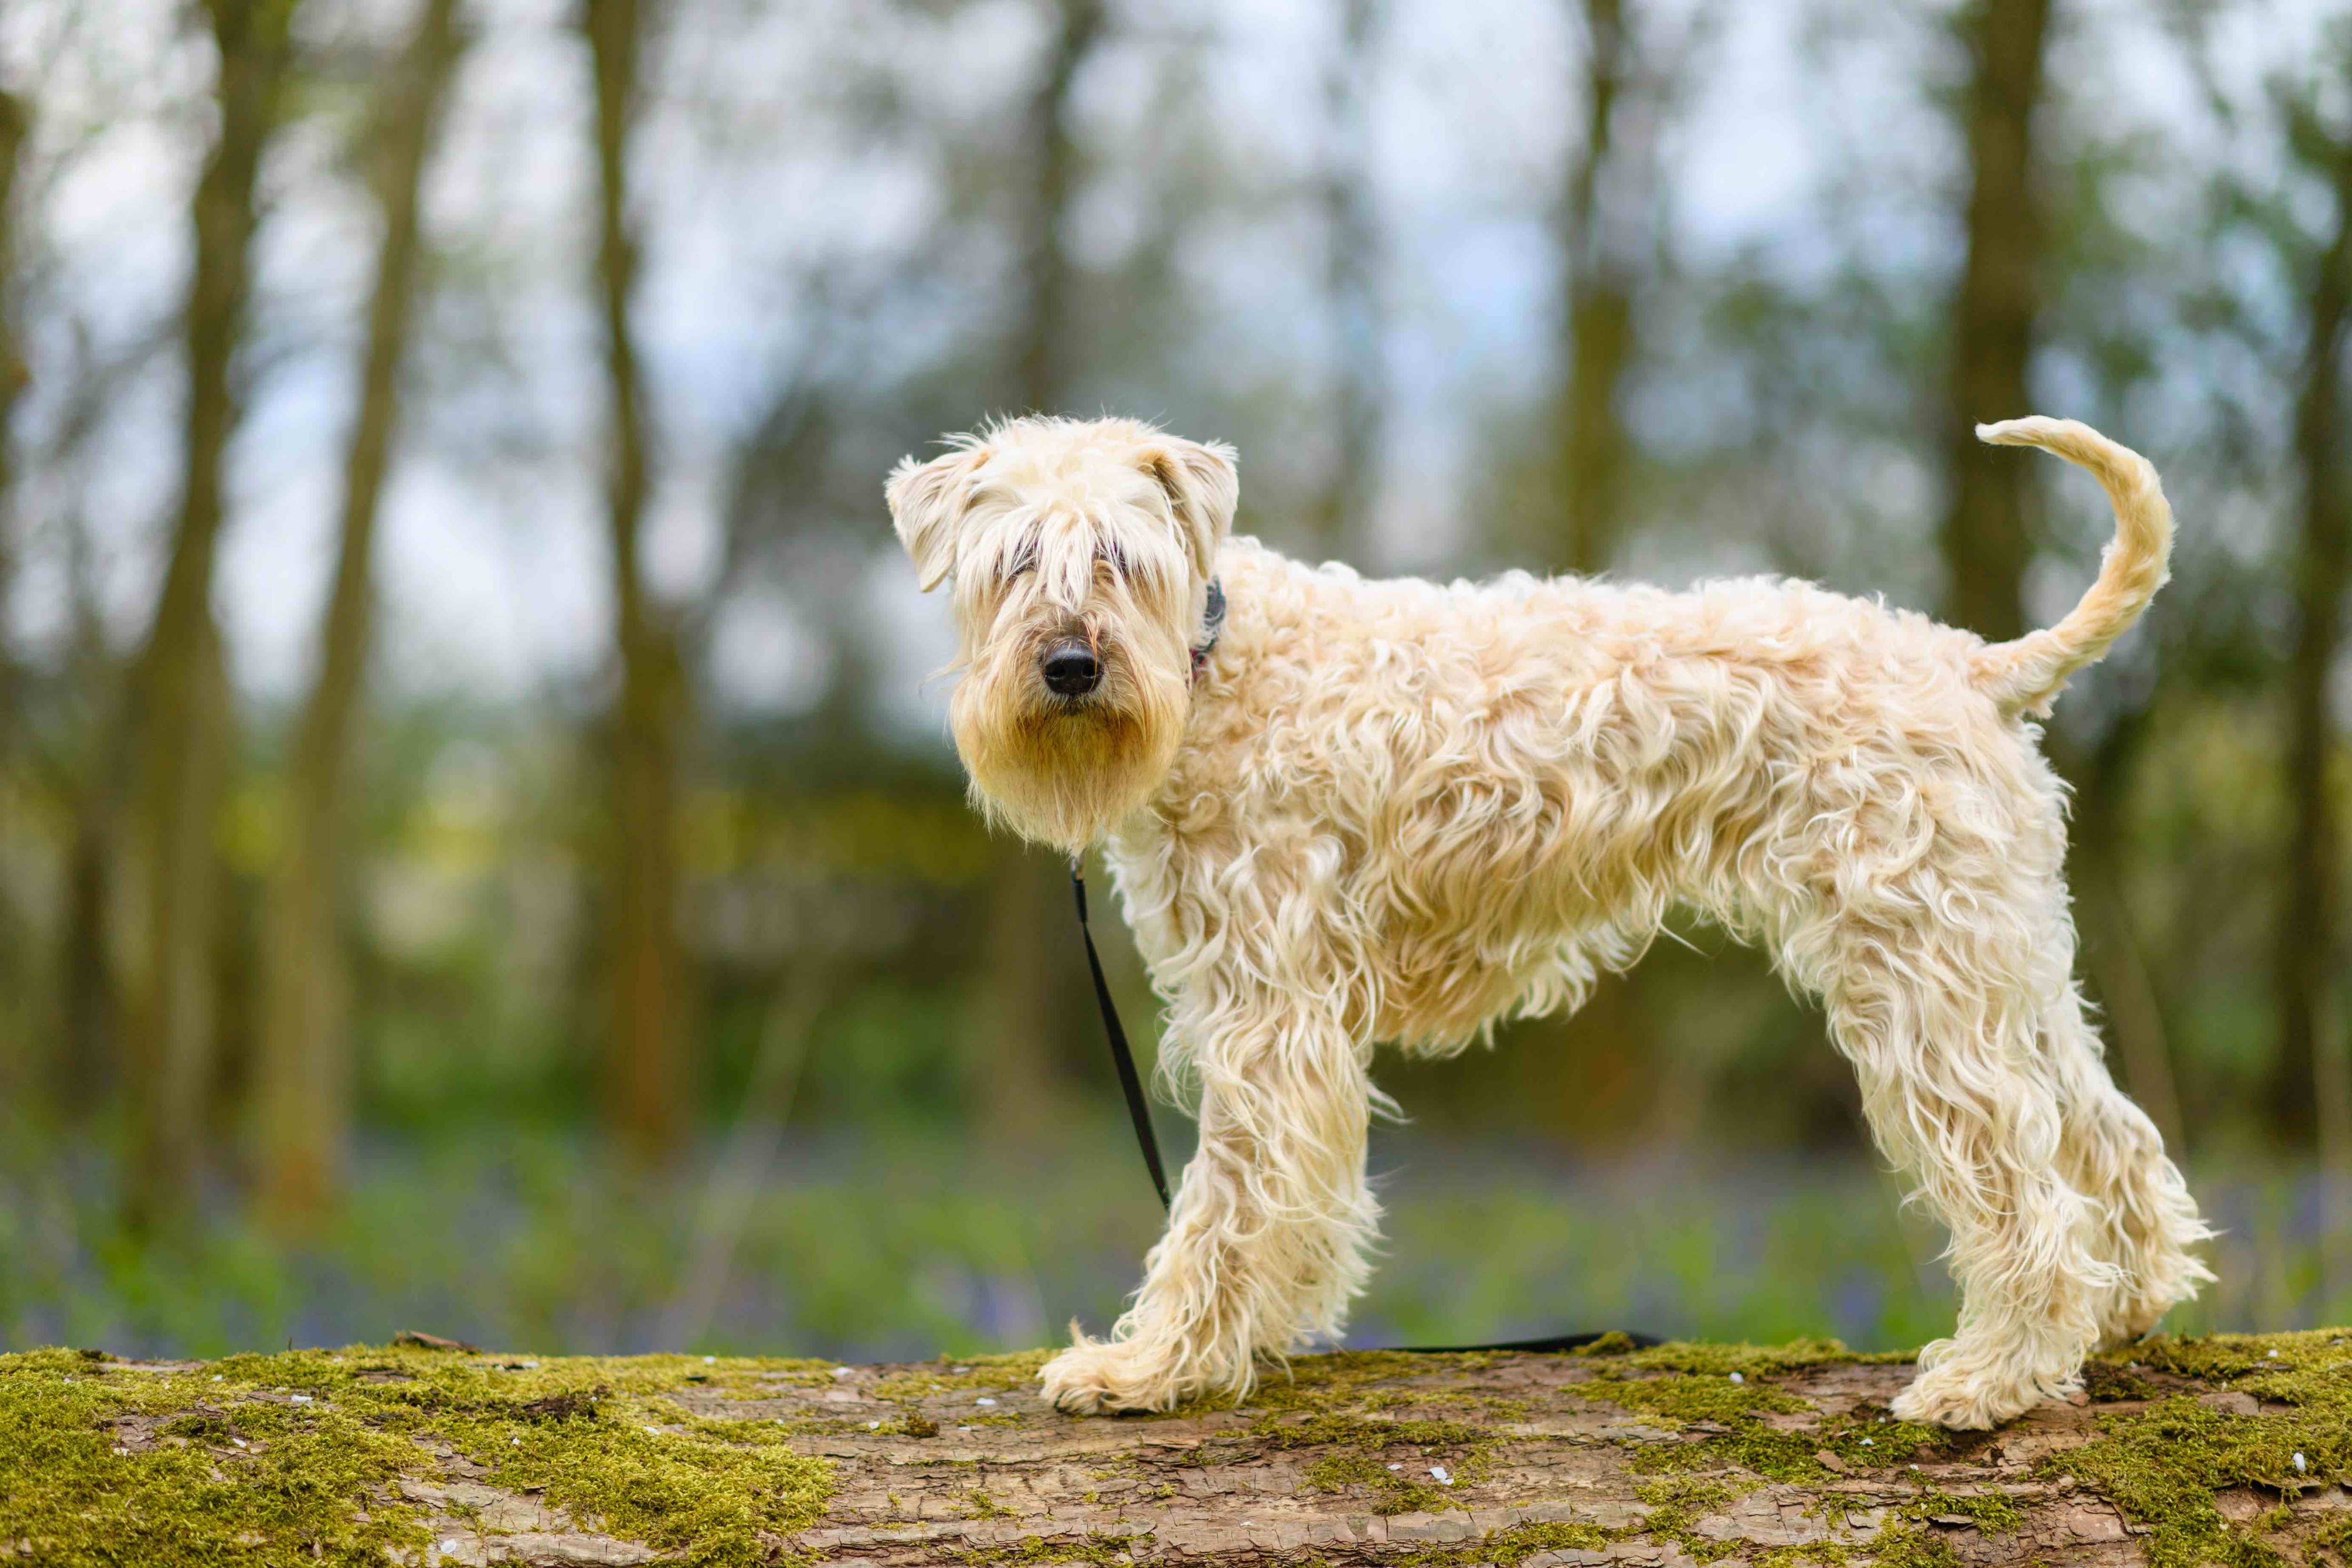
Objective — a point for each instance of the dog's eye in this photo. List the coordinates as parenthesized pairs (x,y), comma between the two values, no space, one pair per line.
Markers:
(1112,557)
(1026,562)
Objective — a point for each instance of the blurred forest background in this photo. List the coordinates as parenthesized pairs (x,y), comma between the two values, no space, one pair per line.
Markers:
(479,851)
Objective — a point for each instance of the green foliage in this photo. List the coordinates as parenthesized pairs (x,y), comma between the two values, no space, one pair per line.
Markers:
(534,1239)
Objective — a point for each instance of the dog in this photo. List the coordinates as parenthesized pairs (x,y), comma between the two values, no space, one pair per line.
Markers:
(1365,811)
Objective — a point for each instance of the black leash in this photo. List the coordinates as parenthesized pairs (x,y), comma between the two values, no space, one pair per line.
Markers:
(1138,1110)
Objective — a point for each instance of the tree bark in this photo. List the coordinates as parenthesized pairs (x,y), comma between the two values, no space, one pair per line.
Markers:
(650,1044)
(1984,539)
(2311,1090)
(2180,1452)
(1351,290)
(179,688)
(305,1069)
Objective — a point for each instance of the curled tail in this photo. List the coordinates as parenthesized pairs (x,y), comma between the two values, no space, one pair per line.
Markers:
(2025,675)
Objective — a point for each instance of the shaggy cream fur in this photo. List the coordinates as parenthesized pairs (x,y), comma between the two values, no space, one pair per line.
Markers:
(1402,810)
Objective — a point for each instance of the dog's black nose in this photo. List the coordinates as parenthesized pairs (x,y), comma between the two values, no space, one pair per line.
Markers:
(1072,669)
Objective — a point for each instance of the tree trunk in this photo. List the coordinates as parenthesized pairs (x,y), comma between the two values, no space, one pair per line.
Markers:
(14,127)
(180,689)
(647,1075)
(306,1056)
(2111,953)
(1596,307)
(2231,1450)
(1030,985)
(2314,1078)
(90,1065)
(1984,538)
(1351,288)
(1045,325)
(1030,997)
(21,1067)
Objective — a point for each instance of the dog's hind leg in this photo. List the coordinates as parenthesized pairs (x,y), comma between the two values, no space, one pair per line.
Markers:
(1266,1243)
(2112,1153)
(1938,1017)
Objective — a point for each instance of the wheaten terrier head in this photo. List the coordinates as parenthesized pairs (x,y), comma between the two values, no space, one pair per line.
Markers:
(1080,553)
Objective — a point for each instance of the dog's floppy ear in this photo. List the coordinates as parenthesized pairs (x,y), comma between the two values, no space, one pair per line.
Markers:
(925,499)
(1202,491)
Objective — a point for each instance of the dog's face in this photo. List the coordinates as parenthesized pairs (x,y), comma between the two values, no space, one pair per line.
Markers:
(1080,553)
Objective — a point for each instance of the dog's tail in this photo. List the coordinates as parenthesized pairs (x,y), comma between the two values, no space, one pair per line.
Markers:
(2026,675)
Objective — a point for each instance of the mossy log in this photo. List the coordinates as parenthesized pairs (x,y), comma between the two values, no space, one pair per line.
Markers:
(2232,1450)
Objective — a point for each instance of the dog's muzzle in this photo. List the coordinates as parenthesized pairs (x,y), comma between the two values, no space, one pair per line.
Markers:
(1071,669)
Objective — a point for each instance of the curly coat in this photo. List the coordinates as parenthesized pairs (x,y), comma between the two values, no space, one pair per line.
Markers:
(1403,810)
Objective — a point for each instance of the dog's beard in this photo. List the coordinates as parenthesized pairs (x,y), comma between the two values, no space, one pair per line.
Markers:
(1064,772)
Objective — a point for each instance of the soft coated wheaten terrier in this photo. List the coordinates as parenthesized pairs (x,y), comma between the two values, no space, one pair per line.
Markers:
(1399,811)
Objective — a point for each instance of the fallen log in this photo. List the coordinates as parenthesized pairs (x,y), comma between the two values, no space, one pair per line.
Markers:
(2230,1449)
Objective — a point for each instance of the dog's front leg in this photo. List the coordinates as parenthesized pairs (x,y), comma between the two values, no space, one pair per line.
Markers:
(1266,1243)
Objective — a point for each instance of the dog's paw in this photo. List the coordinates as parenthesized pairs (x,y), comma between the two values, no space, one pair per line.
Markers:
(1096,1377)
(1949,1392)
(2125,1322)
(2132,1313)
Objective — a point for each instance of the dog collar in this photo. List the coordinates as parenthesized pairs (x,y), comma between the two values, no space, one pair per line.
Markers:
(1213,621)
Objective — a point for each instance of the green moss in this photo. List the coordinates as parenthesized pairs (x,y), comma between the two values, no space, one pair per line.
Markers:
(2107,1384)
(275,1459)
(1678,1385)
(1859,1440)
(1360,1456)
(2217,1358)
(298,1489)
(1486,1406)
(1509,1547)
(1675,1506)
(1909,1546)
(1756,1360)
(2164,1464)
(1990,1512)
(1682,1397)
(1896,1546)
(980,1374)
(1827,1554)
(1105,1549)
(1322,1402)
(1859,1444)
